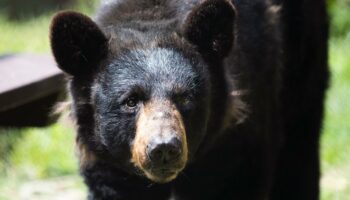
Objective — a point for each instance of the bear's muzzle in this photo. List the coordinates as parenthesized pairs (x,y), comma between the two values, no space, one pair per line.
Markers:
(160,145)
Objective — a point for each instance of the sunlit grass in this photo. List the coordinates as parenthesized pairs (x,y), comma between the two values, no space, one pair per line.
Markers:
(45,153)
(29,36)
(32,34)
(35,153)
(38,152)
(39,157)
(337,126)
(336,134)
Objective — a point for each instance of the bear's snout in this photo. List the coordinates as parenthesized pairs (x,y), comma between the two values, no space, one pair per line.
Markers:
(160,145)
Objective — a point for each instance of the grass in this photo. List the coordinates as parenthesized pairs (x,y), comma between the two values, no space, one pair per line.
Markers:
(38,154)
(34,154)
(49,153)
(336,138)
(335,152)
(35,31)
(30,34)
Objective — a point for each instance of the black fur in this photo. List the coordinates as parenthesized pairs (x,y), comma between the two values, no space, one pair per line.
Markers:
(250,91)
(77,43)
(210,27)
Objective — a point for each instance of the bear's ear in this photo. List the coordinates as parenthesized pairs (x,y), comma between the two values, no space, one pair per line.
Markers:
(210,27)
(77,43)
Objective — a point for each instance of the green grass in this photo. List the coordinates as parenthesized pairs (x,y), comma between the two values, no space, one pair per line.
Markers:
(12,38)
(31,34)
(49,153)
(31,154)
(34,153)
(37,154)
(337,126)
(336,137)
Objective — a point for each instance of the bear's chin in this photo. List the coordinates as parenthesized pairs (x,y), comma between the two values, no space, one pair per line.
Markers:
(161,176)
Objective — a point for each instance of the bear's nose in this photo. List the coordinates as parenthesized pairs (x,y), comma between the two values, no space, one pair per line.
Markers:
(164,152)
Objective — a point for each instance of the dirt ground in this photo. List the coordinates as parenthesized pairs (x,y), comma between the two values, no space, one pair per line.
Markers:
(62,188)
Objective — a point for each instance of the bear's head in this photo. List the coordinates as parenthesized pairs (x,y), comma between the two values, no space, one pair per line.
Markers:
(142,98)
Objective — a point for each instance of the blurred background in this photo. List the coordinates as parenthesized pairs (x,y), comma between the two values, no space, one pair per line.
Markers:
(39,163)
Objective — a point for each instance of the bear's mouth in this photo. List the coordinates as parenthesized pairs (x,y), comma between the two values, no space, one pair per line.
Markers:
(161,172)
(161,175)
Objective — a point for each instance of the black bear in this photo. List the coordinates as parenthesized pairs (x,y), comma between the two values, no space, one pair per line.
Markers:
(197,99)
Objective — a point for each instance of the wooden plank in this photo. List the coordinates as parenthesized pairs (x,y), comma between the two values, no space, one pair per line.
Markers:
(36,113)
(26,78)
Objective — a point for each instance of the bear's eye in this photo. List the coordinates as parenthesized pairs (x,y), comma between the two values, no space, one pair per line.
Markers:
(183,100)
(131,102)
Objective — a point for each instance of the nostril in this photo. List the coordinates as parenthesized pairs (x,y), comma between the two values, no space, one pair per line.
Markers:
(156,154)
(163,153)
(171,154)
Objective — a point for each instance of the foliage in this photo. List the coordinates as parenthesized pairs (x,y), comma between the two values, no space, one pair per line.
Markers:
(336,138)
(339,16)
